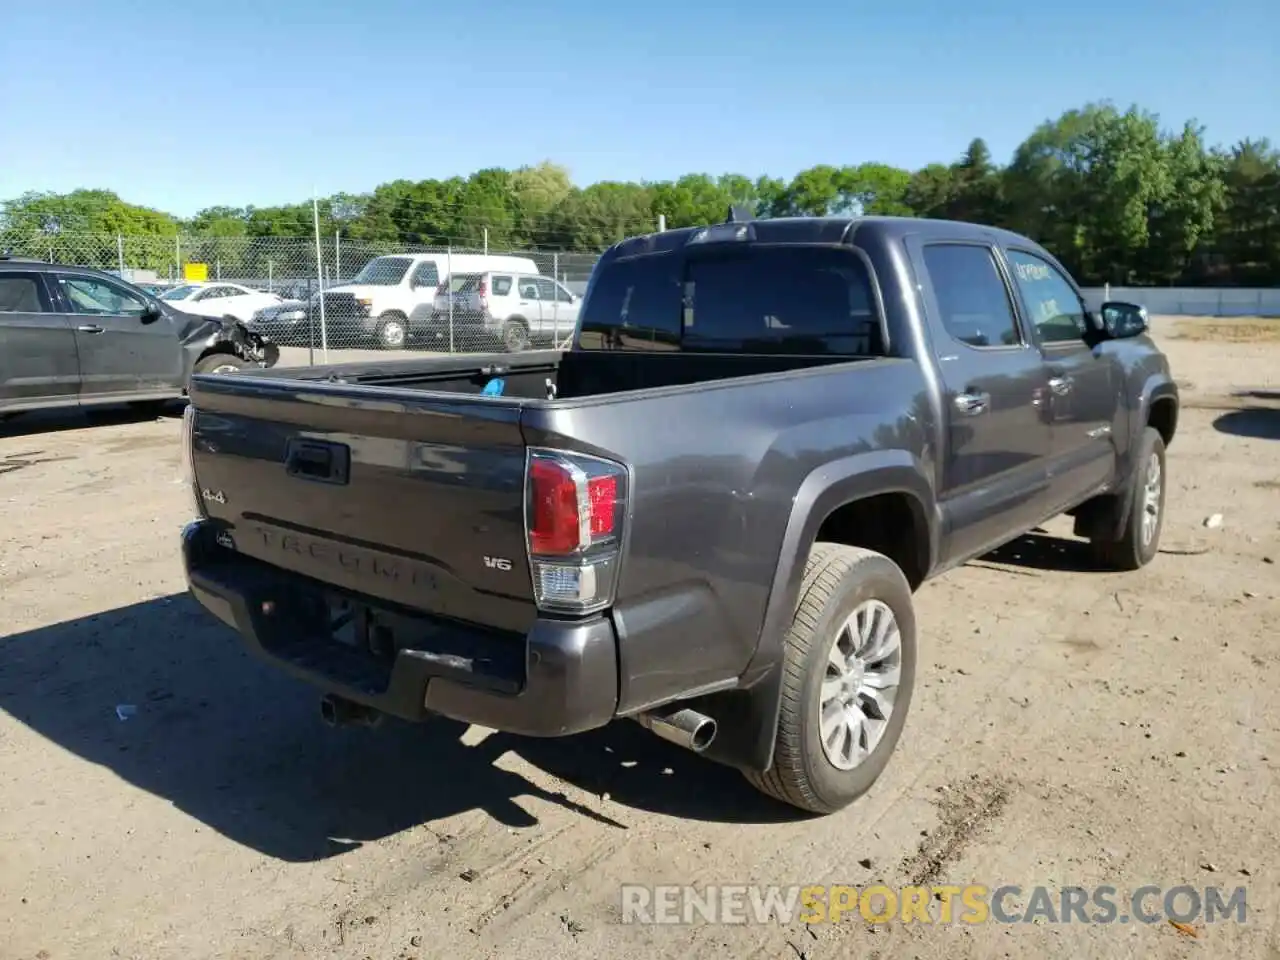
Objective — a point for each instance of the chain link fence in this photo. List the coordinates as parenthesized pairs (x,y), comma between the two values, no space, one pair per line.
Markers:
(343,299)
(323,302)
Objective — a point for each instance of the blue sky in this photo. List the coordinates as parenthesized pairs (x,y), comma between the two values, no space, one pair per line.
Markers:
(184,105)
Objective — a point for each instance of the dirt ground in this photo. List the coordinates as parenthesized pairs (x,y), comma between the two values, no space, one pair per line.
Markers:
(1070,727)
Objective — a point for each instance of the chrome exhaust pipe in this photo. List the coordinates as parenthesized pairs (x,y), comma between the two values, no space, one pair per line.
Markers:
(338,711)
(681,725)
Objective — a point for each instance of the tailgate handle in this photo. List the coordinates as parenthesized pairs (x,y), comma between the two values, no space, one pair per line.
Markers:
(318,460)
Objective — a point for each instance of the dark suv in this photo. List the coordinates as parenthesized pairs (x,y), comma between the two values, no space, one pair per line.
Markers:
(73,336)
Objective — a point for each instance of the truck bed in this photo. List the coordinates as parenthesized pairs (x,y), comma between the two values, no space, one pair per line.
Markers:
(574,375)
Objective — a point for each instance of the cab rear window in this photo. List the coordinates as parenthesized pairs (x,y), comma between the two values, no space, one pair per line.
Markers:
(795,300)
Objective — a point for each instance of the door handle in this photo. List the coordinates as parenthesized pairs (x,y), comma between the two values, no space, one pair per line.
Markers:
(1060,385)
(318,460)
(89,328)
(972,404)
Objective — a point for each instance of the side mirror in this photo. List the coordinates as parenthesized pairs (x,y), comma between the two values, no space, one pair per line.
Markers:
(1122,320)
(152,313)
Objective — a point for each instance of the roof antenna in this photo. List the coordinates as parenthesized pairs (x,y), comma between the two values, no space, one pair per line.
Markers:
(738,215)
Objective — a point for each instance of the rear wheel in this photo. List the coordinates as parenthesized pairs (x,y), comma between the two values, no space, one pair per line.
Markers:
(220,363)
(515,336)
(392,331)
(847,677)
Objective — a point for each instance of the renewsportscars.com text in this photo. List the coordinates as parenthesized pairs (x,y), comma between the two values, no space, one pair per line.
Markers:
(971,904)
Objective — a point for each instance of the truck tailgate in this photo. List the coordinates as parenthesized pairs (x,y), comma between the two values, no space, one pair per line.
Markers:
(408,498)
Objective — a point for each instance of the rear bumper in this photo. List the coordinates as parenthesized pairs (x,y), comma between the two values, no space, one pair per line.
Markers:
(561,679)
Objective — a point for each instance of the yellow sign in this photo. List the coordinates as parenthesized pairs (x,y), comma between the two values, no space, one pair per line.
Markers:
(195,271)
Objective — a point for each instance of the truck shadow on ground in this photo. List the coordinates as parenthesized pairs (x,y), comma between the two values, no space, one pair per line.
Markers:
(1041,551)
(56,421)
(1257,423)
(241,748)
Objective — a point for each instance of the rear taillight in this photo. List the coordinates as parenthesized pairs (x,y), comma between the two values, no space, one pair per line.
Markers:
(575,509)
(188,459)
(483,290)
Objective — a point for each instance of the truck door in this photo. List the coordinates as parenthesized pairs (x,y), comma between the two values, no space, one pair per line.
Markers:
(994,469)
(1082,400)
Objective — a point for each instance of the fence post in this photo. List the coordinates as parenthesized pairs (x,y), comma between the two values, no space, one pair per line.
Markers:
(555,267)
(662,222)
(486,241)
(177,256)
(448,287)
(270,279)
(120,254)
(337,255)
(217,269)
(324,330)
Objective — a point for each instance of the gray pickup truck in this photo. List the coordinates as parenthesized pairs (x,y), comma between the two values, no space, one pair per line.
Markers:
(709,515)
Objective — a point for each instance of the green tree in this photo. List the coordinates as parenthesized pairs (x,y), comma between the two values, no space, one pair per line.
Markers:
(1114,196)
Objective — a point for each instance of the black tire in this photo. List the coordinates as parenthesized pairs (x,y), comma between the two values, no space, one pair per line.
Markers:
(515,335)
(220,363)
(1134,549)
(393,331)
(837,581)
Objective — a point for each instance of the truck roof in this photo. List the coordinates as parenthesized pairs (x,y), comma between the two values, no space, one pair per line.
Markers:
(821,230)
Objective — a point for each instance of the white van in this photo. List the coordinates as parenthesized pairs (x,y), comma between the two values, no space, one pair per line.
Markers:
(392,297)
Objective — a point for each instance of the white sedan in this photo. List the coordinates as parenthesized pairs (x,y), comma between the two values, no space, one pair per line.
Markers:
(219,300)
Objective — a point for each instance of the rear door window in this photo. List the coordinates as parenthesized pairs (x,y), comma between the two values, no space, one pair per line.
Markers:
(501,285)
(971,295)
(22,293)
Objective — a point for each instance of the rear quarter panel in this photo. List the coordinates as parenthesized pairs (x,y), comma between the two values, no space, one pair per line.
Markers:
(716,472)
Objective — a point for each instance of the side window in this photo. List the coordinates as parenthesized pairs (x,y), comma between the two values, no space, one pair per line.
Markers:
(1051,302)
(92,296)
(21,293)
(426,274)
(528,288)
(563,295)
(971,294)
(501,286)
(546,290)
(634,304)
(208,293)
